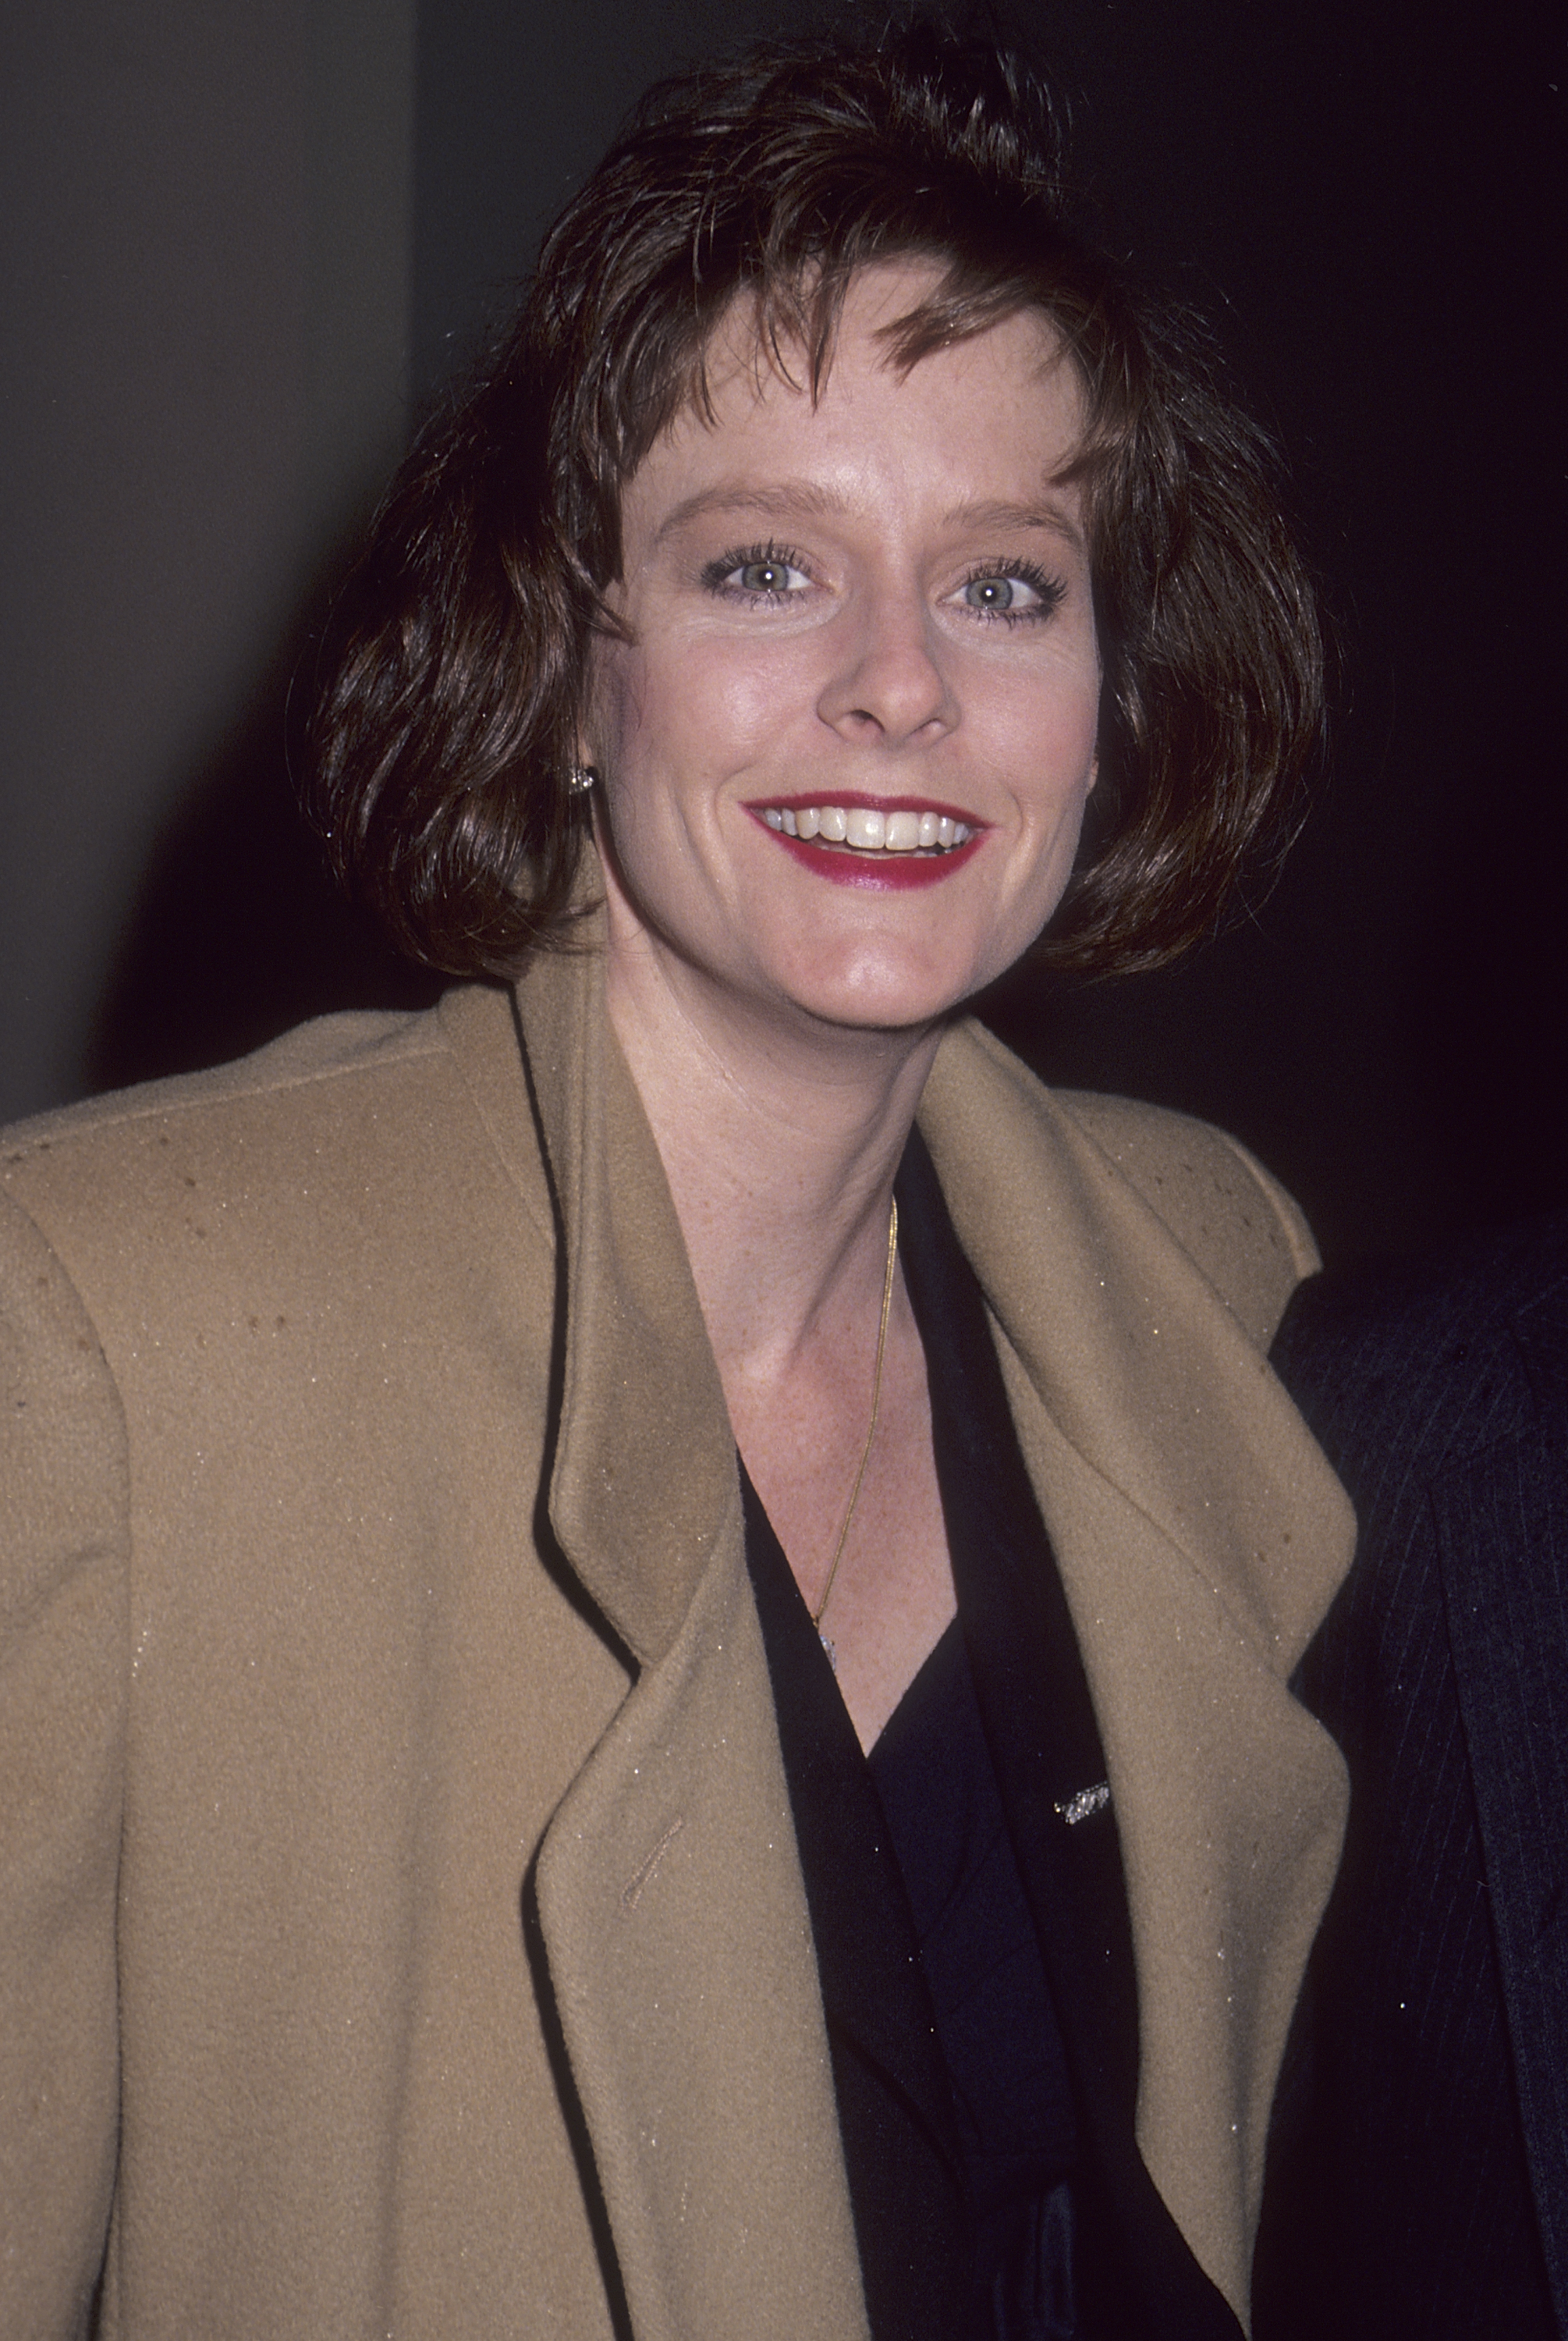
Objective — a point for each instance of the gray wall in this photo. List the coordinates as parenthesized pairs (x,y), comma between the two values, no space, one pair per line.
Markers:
(206,285)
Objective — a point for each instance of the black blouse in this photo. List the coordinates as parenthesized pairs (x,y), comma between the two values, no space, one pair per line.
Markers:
(968,1914)
(996,2021)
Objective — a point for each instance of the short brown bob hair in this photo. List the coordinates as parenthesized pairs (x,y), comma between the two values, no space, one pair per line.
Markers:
(443,742)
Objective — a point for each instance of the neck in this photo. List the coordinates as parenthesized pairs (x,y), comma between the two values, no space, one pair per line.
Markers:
(780,1137)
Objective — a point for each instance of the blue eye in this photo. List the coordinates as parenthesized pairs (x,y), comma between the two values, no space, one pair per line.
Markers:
(990,594)
(1012,592)
(761,572)
(765,576)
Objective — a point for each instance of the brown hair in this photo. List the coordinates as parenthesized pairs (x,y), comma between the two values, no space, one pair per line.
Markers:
(445,738)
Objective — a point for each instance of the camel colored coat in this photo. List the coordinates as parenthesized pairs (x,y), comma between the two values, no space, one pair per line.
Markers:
(398,1893)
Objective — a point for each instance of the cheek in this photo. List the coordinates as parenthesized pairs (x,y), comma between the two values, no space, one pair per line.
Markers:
(616,698)
(707,704)
(710,707)
(657,721)
(1051,738)
(1077,705)
(641,730)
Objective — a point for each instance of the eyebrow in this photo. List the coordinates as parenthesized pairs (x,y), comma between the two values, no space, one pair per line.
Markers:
(797,499)
(1053,517)
(801,500)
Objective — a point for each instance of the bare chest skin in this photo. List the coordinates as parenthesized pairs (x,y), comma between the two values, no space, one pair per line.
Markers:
(802,1436)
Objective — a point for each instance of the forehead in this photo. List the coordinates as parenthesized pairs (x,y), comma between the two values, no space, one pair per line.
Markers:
(997,415)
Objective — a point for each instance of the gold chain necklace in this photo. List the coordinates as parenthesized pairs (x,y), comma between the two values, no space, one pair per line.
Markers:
(819,1611)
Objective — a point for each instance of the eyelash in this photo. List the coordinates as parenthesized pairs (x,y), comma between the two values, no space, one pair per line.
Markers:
(716,573)
(1051,591)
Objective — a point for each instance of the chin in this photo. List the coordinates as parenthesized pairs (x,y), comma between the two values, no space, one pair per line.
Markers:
(886,997)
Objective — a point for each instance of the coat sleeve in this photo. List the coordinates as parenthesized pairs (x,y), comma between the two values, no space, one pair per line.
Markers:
(63,1609)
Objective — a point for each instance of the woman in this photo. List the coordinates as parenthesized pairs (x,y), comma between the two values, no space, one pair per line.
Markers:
(484,1483)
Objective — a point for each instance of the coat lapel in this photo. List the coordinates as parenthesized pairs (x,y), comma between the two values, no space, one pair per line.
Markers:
(669,1888)
(1200,1535)
(671,1908)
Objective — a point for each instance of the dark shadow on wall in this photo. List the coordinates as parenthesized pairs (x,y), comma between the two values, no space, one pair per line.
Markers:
(239,931)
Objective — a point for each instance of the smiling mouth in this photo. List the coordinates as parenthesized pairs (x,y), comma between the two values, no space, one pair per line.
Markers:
(869,829)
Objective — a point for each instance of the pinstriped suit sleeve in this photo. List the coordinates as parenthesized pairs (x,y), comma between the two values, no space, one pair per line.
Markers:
(1419,2175)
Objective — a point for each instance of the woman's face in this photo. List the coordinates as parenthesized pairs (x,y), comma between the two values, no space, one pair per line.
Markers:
(846,746)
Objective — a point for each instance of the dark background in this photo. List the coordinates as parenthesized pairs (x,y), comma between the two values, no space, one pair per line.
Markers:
(1367,202)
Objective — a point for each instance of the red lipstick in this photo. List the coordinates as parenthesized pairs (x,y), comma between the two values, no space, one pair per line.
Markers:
(877,871)
(883,873)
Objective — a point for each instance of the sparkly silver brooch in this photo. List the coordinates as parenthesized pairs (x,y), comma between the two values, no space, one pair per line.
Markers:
(1087,1800)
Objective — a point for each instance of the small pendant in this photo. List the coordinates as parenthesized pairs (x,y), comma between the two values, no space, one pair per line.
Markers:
(832,1653)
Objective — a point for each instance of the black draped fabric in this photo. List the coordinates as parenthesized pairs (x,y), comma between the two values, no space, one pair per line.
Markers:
(995,2017)
(894,2104)
(1418,2170)
(969,2228)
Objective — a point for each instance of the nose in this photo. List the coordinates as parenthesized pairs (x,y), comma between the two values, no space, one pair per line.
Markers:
(887,682)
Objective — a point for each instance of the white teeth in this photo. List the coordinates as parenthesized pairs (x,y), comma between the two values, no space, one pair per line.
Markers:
(867,828)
